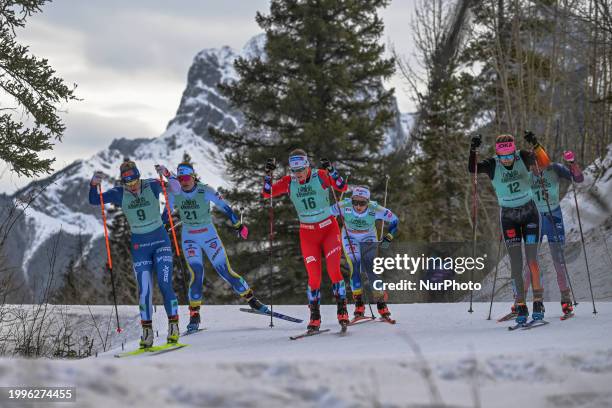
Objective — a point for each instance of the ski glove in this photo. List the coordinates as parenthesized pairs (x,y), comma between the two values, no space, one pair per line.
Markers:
(270,165)
(569,156)
(242,230)
(326,165)
(162,170)
(96,179)
(386,241)
(476,142)
(531,138)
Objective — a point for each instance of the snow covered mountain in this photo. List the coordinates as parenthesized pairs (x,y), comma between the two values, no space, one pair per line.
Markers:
(61,220)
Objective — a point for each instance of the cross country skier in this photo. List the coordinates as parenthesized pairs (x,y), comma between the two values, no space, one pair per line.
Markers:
(519,216)
(360,215)
(150,245)
(551,177)
(192,198)
(308,190)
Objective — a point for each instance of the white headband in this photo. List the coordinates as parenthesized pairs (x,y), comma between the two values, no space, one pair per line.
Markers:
(298,162)
(362,192)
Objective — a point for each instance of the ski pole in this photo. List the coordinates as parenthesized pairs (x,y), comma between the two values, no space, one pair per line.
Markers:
(474,221)
(554,225)
(586,261)
(109,260)
(271,216)
(348,237)
(176,246)
(382,224)
(497,260)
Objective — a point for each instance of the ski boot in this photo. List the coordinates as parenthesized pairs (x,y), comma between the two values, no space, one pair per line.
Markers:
(173,330)
(194,318)
(568,309)
(343,317)
(522,312)
(254,303)
(315,318)
(538,310)
(146,340)
(359,306)
(384,312)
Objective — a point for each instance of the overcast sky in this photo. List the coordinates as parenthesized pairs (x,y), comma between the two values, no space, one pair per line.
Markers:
(130,61)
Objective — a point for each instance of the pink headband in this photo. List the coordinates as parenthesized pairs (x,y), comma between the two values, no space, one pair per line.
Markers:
(503,148)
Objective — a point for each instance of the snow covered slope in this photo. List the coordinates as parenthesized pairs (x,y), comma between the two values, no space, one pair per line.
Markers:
(438,355)
(594,198)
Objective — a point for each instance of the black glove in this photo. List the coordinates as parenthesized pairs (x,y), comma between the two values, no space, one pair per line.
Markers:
(386,241)
(270,165)
(476,142)
(531,138)
(326,165)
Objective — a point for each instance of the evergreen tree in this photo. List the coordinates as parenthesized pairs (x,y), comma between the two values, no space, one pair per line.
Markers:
(319,87)
(29,86)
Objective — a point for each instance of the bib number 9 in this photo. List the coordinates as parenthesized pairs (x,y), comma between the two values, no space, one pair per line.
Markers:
(141,214)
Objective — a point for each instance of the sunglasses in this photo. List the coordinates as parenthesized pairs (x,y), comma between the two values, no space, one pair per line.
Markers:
(131,183)
(298,170)
(506,156)
(359,203)
(184,178)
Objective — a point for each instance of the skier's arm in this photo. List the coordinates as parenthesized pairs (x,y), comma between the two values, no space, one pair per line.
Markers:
(218,201)
(486,166)
(332,179)
(386,215)
(539,155)
(279,188)
(575,171)
(112,196)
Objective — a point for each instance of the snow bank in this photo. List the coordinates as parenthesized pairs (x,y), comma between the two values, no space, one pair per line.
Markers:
(437,354)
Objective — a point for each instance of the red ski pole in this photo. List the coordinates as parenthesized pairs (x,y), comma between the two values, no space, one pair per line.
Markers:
(109,259)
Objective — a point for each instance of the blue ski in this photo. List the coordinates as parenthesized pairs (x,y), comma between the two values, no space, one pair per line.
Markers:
(274,314)
(535,323)
(189,332)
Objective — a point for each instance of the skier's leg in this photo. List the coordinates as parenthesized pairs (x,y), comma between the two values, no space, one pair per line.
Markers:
(332,249)
(192,251)
(350,245)
(311,253)
(512,239)
(557,245)
(352,254)
(531,235)
(163,263)
(142,257)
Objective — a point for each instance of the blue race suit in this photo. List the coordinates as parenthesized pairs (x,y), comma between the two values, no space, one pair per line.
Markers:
(150,248)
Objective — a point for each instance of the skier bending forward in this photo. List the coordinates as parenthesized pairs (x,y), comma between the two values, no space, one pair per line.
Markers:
(308,190)
(192,198)
(150,245)
(359,239)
